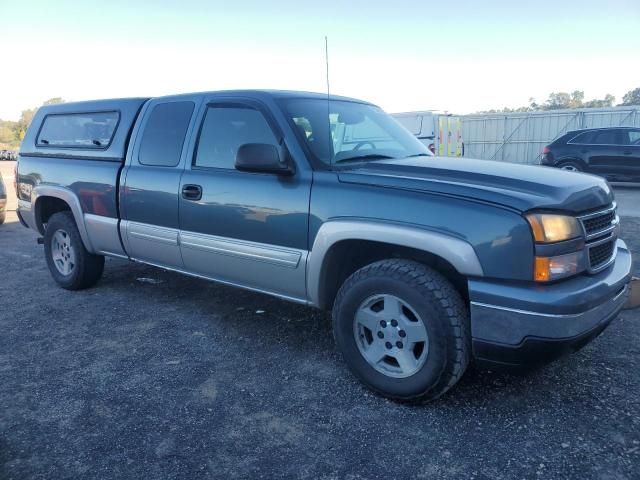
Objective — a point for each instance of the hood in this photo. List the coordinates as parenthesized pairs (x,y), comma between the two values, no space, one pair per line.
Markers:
(520,187)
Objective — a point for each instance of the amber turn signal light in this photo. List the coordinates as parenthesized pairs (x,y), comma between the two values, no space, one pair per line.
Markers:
(542,272)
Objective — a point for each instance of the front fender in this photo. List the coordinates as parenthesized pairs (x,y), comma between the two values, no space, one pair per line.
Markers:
(457,252)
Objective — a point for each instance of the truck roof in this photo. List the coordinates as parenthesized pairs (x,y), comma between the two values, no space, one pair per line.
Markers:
(270,93)
(122,114)
(87,105)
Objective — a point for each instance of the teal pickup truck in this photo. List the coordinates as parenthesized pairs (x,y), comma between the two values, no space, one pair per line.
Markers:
(426,263)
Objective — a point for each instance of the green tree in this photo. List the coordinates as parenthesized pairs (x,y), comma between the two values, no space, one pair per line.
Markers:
(53,101)
(23,123)
(561,100)
(632,97)
(27,116)
(7,133)
(607,101)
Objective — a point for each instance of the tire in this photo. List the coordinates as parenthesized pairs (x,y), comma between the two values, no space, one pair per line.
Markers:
(3,217)
(425,298)
(70,264)
(570,166)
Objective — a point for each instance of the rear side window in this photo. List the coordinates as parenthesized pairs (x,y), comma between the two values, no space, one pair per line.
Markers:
(225,129)
(584,138)
(598,137)
(606,137)
(78,130)
(164,134)
(632,137)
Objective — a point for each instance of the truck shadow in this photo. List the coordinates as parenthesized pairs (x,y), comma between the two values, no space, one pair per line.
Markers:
(303,335)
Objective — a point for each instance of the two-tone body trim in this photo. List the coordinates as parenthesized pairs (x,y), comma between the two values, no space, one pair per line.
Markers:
(284,257)
(256,266)
(103,232)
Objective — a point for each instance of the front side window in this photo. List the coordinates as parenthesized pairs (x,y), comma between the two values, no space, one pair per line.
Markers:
(164,134)
(78,130)
(225,129)
(342,131)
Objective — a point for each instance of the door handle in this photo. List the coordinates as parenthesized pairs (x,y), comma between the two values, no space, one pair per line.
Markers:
(627,152)
(192,192)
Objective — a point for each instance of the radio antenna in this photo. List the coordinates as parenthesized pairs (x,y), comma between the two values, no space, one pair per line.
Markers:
(326,60)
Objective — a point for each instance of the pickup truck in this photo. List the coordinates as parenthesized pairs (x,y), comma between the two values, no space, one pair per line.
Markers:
(426,263)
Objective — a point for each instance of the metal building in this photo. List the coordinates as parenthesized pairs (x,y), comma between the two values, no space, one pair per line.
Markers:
(520,137)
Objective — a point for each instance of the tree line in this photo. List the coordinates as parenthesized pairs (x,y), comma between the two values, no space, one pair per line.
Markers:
(575,99)
(12,133)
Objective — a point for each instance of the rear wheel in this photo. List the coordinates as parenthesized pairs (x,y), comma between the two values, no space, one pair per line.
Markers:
(402,329)
(570,166)
(70,264)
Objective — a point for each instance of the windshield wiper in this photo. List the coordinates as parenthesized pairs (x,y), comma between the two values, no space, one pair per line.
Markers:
(419,155)
(370,156)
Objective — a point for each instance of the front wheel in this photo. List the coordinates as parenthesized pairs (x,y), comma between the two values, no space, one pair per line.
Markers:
(70,264)
(402,329)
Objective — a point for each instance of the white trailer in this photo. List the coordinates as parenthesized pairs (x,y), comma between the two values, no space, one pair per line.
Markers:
(441,133)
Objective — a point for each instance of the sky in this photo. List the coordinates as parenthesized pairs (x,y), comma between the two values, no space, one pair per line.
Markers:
(457,56)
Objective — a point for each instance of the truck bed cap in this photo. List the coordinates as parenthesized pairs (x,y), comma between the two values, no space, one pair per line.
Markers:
(127,109)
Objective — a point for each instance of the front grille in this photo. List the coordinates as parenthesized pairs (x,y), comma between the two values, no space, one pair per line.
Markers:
(598,223)
(601,236)
(601,254)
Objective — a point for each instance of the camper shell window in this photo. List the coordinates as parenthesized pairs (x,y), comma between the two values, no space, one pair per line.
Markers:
(90,130)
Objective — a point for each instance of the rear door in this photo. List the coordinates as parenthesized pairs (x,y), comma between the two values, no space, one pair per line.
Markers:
(149,200)
(604,153)
(631,153)
(243,228)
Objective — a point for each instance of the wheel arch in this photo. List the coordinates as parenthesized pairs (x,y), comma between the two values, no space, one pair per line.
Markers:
(343,246)
(571,159)
(48,200)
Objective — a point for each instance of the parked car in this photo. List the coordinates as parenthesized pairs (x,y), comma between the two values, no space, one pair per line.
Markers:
(613,153)
(3,200)
(424,263)
(8,155)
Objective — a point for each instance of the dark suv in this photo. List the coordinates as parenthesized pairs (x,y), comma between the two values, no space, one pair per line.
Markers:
(613,153)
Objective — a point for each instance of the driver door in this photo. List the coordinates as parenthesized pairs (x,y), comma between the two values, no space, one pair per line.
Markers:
(243,228)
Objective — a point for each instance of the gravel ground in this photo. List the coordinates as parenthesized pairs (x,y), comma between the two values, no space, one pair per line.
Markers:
(173,377)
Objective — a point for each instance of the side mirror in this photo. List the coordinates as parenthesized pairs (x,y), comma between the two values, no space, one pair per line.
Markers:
(262,157)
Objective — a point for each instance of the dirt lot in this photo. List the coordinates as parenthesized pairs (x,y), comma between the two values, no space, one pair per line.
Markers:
(155,375)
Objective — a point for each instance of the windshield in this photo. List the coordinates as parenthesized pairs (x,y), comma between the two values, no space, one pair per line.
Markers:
(342,131)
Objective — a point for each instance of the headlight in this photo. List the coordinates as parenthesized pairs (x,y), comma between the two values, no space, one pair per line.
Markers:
(547,269)
(550,228)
